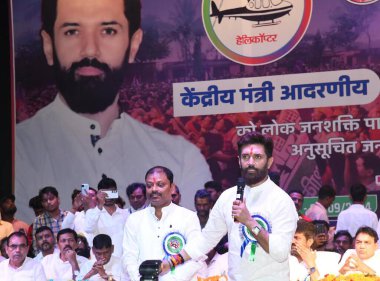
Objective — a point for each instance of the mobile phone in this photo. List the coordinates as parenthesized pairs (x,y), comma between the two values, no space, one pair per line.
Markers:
(85,188)
(320,228)
(111,194)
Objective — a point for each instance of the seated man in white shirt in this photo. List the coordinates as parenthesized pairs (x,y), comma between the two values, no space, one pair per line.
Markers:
(364,258)
(106,266)
(304,261)
(64,265)
(19,266)
(45,242)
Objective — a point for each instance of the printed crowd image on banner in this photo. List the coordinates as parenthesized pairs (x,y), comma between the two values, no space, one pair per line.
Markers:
(103,92)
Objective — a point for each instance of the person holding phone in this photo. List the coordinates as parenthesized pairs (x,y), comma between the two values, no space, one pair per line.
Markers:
(81,202)
(321,235)
(107,217)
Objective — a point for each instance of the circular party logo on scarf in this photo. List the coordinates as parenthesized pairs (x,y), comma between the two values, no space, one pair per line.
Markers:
(255,32)
(173,243)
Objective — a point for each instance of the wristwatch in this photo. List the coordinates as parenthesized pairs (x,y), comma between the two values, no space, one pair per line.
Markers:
(311,270)
(256,230)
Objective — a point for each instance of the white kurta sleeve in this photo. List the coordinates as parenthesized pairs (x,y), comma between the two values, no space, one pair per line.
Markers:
(214,230)
(285,224)
(192,232)
(131,249)
(92,217)
(39,272)
(68,221)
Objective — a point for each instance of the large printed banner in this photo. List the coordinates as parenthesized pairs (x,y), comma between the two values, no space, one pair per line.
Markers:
(98,94)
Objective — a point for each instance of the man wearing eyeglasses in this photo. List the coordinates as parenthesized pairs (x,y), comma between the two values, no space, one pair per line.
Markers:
(19,266)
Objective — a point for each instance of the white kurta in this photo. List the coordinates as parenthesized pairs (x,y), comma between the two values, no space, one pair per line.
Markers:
(101,222)
(326,263)
(298,270)
(274,206)
(373,262)
(39,256)
(144,238)
(29,271)
(354,217)
(113,268)
(54,148)
(77,222)
(57,269)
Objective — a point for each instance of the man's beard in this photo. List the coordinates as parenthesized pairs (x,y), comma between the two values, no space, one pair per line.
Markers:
(293,251)
(88,94)
(260,175)
(10,211)
(203,213)
(46,246)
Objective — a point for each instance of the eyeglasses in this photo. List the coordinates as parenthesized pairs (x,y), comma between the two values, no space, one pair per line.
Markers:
(20,246)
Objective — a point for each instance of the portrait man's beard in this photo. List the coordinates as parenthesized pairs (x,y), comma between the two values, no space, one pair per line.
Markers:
(88,94)
(258,176)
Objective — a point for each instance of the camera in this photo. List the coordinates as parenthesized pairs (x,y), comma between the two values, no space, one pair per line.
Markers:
(149,270)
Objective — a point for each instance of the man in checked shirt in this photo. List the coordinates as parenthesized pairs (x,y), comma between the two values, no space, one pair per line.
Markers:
(52,216)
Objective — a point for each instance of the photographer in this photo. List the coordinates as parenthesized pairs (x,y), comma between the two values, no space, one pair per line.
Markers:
(107,217)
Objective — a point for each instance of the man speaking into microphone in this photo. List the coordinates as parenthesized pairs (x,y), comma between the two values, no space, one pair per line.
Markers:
(260,227)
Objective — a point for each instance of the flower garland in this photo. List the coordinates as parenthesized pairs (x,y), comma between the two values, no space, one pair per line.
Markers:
(350,277)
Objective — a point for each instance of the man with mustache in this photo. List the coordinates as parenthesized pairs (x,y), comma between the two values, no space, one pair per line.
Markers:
(83,134)
(202,203)
(159,230)
(260,228)
(105,266)
(19,266)
(45,242)
(365,258)
(65,264)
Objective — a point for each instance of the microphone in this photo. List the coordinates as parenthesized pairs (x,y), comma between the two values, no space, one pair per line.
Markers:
(240,191)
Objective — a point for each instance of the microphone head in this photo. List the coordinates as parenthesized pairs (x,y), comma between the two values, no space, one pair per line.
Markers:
(240,182)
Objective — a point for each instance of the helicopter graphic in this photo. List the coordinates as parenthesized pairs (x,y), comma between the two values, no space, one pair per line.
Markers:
(255,10)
